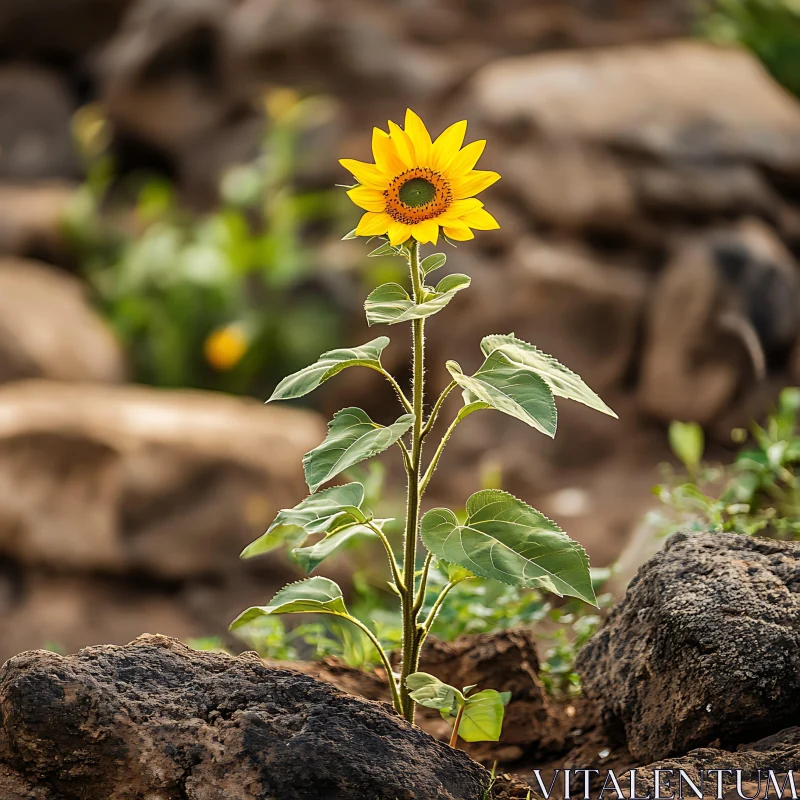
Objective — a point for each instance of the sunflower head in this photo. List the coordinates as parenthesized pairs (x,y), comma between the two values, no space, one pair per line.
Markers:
(417,185)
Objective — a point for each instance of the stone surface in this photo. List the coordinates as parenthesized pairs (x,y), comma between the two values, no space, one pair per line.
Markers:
(156,719)
(35,110)
(703,648)
(679,100)
(49,330)
(138,499)
(736,292)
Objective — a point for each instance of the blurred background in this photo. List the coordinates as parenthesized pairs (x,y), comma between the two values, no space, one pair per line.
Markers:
(170,247)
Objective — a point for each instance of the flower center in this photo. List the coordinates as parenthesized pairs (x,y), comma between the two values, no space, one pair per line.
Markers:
(416,192)
(416,195)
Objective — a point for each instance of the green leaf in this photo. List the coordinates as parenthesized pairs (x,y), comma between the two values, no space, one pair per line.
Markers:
(312,556)
(508,388)
(432,262)
(329,364)
(482,720)
(386,249)
(686,441)
(391,304)
(429,691)
(351,235)
(562,381)
(315,514)
(315,595)
(506,540)
(352,437)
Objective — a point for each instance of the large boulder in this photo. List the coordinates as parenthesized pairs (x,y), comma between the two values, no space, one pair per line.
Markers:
(156,719)
(139,496)
(703,648)
(48,329)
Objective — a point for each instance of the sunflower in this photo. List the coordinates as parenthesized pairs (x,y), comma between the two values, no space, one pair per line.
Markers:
(417,185)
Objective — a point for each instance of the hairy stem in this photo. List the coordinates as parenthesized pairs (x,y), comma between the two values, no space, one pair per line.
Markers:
(411,637)
(436,456)
(396,576)
(401,395)
(437,407)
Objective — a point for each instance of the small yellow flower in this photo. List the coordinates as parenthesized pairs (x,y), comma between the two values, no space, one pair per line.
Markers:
(225,347)
(417,185)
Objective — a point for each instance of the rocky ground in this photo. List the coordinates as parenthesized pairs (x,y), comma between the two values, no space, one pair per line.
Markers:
(696,668)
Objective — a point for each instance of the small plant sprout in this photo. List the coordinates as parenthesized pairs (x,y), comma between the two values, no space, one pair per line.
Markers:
(475,717)
(416,187)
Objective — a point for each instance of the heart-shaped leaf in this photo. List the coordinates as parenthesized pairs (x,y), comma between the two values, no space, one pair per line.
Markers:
(390,303)
(352,437)
(315,595)
(429,691)
(506,540)
(562,381)
(508,388)
(329,364)
(482,720)
(432,262)
(316,514)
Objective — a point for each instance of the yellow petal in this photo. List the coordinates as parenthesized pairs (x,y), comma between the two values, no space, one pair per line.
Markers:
(385,154)
(426,231)
(458,208)
(420,138)
(481,220)
(402,144)
(447,145)
(368,199)
(465,160)
(398,232)
(372,224)
(366,174)
(474,182)
(458,232)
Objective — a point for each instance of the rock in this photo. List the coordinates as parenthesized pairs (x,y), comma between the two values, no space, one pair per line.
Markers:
(57,30)
(735,292)
(35,112)
(179,481)
(49,330)
(677,100)
(702,648)
(780,753)
(166,76)
(31,220)
(155,718)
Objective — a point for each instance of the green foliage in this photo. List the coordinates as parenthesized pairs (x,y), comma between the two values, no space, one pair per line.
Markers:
(758,493)
(352,437)
(228,300)
(328,365)
(391,304)
(507,541)
(769,28)
(474,717)
(501,538)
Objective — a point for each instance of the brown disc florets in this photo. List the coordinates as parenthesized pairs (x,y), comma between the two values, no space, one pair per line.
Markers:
(416,195)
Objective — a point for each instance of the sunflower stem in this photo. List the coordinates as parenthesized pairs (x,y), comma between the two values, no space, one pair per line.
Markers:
(411,631)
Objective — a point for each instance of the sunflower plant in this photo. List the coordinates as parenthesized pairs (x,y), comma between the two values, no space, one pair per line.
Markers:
(417,187)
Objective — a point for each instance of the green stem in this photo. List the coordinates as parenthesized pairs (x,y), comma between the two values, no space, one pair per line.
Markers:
(411,636)
(436,408)
(401,395)
(398,579)
(384,658)
(429,620)
(436,456)
(423,585)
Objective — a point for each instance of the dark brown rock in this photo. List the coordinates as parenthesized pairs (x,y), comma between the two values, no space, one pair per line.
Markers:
(155,718)
(703,647)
